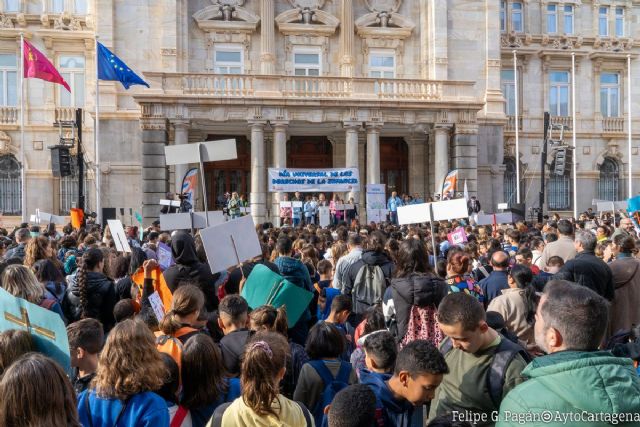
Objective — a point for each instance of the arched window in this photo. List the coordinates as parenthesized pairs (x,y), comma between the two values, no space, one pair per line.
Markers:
(608,184)
(10,188)
(510,180)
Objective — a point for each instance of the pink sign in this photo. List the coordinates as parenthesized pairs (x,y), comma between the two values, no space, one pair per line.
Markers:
(457,237)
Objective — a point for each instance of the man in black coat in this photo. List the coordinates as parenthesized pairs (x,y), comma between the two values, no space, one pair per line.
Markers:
(587,269)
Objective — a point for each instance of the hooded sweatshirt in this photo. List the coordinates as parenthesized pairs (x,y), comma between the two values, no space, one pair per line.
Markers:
(189,268)
(330,293)
(394,412)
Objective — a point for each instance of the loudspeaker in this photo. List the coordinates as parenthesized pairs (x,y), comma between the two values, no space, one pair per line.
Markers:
(60,161)
(108,213)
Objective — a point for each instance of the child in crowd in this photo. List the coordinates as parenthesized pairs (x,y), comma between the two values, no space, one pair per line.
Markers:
(418,371)
(179,415)
(124,309)
(324,346)
(13,344)
(261,404)
(374,321)
(340,310)
(129,371)
(325,300)
(36,392)
(86,339)
(325,270)
(205,385)
(354,406)
(267,318)
(233,321)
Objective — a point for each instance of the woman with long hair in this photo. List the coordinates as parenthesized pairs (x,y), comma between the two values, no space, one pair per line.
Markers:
(267,318)
(91,293)
(20,282)
(518,303)
(205,384)
(37,248)
(261,403)
(36,392)
(416,293)
(129,371)
(51,278)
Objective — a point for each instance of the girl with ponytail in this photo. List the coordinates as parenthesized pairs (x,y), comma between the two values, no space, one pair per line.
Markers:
(261,403)
(91,293)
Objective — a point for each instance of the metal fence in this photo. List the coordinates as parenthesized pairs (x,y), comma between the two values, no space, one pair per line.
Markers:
(10,196)
(559,194)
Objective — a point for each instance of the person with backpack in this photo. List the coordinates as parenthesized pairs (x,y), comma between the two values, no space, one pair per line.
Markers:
(574,377)
(368,278)
(485,365)
(233,321)
(129,371)
(417,374)
(177,325)
(205,384)
(261,403)
(20,282)
(188,268)
(325,374)
(416,292)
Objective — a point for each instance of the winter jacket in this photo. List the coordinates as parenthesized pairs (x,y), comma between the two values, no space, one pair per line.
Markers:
(15,252)
(369,258)
(563,247)
(143,409)
(101,298)
(394,412)
(421,290)
(624,310)
(570,382)
(513,308)
(588,270)
(294,271)
(188,268)
(493,285)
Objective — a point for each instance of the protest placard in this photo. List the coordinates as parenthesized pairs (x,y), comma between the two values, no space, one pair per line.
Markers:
(119,236)
(230,243)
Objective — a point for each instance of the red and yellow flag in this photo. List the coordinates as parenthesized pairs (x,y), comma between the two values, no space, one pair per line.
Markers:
(38,66)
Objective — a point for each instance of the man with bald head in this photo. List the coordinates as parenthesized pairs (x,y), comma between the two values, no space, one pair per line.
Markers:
(493,285)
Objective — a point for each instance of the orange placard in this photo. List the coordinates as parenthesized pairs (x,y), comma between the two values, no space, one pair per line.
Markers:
(77,216)
(159,285)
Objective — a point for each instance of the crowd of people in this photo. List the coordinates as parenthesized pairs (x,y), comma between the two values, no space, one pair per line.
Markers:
(519,323)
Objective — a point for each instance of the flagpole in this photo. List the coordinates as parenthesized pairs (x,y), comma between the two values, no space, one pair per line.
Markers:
(23,174)
(573,136)
(629,125)
(515,82)
(96,142)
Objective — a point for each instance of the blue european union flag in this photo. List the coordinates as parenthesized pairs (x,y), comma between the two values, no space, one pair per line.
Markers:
(110,67)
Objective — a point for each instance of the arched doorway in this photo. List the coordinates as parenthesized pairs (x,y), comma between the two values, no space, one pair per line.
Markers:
(10,188)
(309,152)
(609,182)
(229,175)
(394,164)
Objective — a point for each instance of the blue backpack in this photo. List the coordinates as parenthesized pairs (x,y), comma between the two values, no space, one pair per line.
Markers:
(331,387)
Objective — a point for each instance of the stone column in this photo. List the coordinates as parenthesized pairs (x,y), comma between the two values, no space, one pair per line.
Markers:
(464,155)
(346,39)
(180,136)
(258,196)
(351,150)
(373,153)
(417,153)
(441,158)
(267,38)
(279,161)
(154,171)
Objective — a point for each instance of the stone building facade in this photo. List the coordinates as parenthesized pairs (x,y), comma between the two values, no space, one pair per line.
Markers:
(402,89)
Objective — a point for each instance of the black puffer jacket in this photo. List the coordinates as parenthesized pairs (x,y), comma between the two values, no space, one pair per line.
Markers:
(101,295)
(371,258)
(189,269)
(419,289)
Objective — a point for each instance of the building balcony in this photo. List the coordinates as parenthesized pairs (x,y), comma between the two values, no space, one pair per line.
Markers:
(613,124)
(307,89)
(511,123)
(9,115)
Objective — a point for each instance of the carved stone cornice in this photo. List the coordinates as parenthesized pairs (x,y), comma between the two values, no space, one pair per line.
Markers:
(562,42)
(225,17)
(375,25)
(514,40)
(153,123)
(292,22)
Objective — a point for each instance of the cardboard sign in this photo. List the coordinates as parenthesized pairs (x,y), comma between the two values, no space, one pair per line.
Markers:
(230,243)
(442,211)
(297,205)
(165,257)
(285,204)
(457,237)
(46,218)
(119,236)
(46,327)
(414,214)
(324,216)
(212,151)
(172,203)
(156,305)
(182,221)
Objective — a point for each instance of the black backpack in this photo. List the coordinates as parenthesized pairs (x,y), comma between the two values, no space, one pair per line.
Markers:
(506,351)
